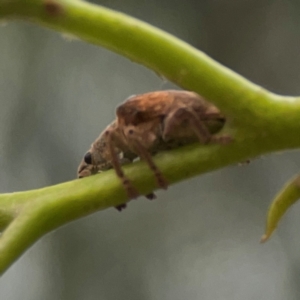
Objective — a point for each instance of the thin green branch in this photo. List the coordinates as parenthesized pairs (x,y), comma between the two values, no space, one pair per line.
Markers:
(51,207)
(40,211)
(165,54)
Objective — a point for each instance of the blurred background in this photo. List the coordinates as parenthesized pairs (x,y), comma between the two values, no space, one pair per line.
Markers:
(198,240)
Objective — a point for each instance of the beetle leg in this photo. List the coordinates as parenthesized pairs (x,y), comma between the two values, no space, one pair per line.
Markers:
(144,154)
(186,114)
(130,189)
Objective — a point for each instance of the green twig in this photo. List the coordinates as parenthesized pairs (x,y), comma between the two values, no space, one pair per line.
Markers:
(165,54)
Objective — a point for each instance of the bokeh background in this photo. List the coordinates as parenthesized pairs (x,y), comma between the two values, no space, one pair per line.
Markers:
(200,239)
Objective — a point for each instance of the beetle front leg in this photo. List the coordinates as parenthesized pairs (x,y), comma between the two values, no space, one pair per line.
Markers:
(130,189)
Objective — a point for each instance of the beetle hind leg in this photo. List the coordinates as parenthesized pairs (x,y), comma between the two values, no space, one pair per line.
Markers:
(185,114)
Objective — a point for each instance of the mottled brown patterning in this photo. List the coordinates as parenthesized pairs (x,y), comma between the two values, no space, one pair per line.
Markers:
(149,123)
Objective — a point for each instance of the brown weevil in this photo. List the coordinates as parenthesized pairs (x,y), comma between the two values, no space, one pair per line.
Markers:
(150,123)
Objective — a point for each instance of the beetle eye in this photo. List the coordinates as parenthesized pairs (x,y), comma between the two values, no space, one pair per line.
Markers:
(88,158)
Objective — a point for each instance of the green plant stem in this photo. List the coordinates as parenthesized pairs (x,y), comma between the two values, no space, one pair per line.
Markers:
(40,211)
(145,44)
(259,121)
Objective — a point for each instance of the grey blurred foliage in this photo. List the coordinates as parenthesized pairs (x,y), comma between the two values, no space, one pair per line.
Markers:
(198,240)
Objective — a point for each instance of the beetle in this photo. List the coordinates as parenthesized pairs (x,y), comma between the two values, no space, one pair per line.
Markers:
(149,123)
